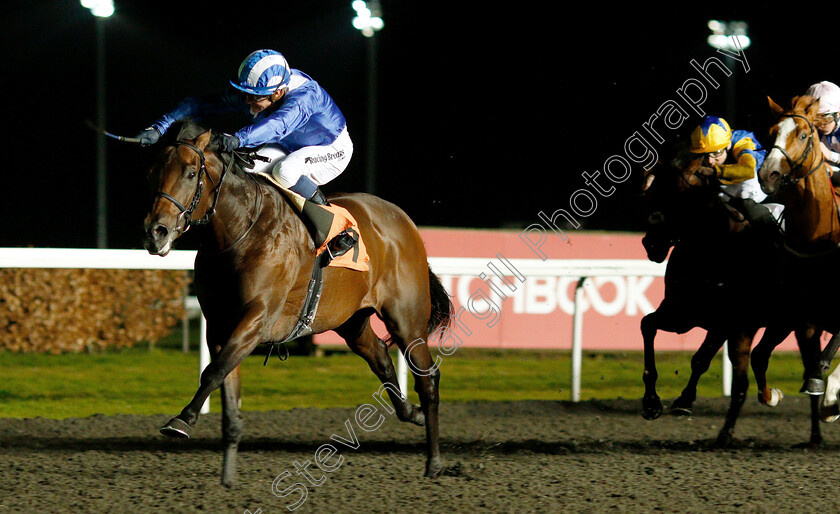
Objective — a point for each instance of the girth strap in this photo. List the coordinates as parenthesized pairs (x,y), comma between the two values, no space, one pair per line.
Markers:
(310,306)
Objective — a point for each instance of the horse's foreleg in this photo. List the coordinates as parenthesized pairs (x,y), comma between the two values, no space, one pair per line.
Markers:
(809,343)
(651,404)
(364,342)
(760,360)
(828,353)
(739,355)
(241,343)
(231,424)
(700,362)
(830,408)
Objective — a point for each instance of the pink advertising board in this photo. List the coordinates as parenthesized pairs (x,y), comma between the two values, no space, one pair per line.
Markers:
(533,311)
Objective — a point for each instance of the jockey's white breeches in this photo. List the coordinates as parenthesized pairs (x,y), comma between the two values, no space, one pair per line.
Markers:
(320,164)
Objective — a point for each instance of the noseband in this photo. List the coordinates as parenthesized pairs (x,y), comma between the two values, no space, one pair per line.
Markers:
(786,179)
(186,212)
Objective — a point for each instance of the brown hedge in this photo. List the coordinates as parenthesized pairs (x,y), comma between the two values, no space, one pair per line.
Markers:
(74,310)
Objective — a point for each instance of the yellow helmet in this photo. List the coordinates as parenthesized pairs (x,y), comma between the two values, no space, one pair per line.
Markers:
(711,135)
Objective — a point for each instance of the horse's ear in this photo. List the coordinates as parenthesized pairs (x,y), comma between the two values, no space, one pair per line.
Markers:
(813,109)
(775,107)
(203,139)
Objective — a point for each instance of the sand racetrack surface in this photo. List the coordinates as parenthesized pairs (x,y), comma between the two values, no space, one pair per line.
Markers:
(532,456)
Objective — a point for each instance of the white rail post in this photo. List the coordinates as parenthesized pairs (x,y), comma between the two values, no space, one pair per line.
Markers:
(402,373)
(577,336)
(726,374)
(203,359)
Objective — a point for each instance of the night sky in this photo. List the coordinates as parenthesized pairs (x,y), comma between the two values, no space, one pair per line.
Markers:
(485,117)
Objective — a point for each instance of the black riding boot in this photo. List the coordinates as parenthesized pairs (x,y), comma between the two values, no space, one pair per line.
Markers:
(761,220)
(320,221)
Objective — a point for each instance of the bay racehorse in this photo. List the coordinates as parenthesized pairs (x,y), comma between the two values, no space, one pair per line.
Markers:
(253,272)
(711,283)
(796,170)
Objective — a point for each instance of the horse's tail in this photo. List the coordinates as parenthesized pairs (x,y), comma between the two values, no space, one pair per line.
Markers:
(441,304)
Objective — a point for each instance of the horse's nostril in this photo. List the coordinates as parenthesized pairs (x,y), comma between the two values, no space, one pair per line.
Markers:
(160,232)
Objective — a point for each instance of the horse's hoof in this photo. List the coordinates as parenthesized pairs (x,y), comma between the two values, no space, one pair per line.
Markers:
(434,468)
(724,440)
(414,415)
(651,408)
(176,428)
(776,396)
(830,413)
(681,407)
(813,387)
(418,418)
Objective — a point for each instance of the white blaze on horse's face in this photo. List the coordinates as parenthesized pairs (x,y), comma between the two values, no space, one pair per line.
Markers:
(771,169)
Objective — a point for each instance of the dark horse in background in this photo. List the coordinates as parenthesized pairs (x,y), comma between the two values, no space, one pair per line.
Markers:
(717,278)
(253,272)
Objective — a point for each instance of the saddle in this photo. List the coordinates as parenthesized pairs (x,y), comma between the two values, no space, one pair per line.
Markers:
(341,221)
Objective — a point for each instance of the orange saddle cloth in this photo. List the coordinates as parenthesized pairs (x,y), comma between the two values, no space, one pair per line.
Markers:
(356,258)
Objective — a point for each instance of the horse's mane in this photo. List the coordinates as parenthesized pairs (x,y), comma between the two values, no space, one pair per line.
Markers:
(190,129)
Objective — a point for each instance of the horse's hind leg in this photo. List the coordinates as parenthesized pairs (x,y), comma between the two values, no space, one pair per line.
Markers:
(760,360)
(364,342)
(409,332)
(739,355)
(231,425)
(700,362)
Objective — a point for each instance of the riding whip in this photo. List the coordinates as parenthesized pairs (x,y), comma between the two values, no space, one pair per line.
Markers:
(112,136)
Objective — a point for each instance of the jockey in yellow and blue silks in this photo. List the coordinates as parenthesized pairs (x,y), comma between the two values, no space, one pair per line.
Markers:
(734,157)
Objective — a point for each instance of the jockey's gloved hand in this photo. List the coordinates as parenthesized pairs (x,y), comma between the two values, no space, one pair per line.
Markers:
(707,171)
(228,143)
(149,136)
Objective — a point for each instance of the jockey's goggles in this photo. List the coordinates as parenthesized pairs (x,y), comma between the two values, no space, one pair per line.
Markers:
(257,98)
(825,119)
(716,154)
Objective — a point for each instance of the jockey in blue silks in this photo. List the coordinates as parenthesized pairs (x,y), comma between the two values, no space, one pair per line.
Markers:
(298,126)
(734,157)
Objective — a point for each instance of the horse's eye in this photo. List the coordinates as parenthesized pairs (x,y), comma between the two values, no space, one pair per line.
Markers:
(803,136)
(191,175)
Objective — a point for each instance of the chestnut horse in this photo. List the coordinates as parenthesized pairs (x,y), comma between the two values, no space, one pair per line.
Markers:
(253,273)
(711,283)
(796,170)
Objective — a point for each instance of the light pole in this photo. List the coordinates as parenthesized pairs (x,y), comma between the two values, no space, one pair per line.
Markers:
(100,9)
(729,36)
(369,21)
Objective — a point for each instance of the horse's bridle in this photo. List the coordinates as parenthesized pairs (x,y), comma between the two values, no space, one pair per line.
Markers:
(786,179)
(186,212)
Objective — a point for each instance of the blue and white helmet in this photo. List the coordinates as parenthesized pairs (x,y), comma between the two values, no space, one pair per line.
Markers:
(262,72)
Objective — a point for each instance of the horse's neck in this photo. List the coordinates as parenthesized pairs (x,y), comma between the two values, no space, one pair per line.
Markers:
(811,215)
(247,210)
